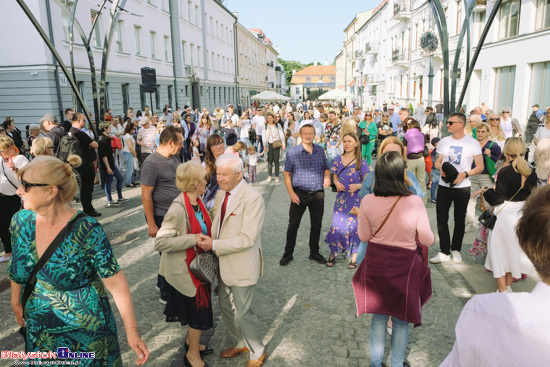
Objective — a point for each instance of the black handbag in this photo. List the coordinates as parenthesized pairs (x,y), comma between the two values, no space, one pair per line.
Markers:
(488,219)
(364,139)
(204,266)
(252,135)
(425,152)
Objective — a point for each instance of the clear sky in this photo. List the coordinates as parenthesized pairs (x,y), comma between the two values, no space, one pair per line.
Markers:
(304,30)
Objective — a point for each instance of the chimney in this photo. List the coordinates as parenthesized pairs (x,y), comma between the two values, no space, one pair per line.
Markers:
(326,62)
(315,63)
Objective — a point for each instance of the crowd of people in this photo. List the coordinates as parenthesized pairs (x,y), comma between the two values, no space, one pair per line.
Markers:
(196,172)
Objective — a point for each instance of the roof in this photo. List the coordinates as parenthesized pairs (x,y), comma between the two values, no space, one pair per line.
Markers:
(316,74)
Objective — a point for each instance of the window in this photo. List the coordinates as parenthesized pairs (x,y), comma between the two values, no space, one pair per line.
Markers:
(211,29)
(182,8)
(97,35)
(217,29)
(169,95)
(199,56)
(66,27)
(197,16)
(540,84)
(153,36)
(187,91)
(189,11)
(219,63)
(183,45)
(191,62)
(504,87)
(458,16)
(543,14)
(142,97)
(509,18)
(125,91)
(297,91)
(213,62)
(214,94)
(163,4)
(150,2)
(167,48)
(137,37)
(118,36)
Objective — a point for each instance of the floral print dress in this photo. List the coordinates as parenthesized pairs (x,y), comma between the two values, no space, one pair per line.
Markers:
(342,236)
(202,133)
(69,306)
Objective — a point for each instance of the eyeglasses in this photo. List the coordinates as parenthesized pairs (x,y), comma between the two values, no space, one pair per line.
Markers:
(26,185)
(497,119)
(219,145)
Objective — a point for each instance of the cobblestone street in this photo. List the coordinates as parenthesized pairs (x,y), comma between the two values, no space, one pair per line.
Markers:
(306,310)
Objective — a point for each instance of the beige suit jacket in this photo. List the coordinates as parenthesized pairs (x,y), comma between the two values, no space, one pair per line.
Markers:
(173,241)
(238,244)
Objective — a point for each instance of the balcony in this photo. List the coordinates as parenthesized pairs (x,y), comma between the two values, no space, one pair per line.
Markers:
(400,57)
(371,49)
(481,5)
(401,10)
(359,55)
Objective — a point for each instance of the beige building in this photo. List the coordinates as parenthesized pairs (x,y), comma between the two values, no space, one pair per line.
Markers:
(257,59)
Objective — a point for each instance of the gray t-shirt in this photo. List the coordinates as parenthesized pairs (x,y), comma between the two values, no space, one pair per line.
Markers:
(160,172)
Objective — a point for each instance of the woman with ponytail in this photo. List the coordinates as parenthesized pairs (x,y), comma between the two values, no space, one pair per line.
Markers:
(513,185)
(189,301)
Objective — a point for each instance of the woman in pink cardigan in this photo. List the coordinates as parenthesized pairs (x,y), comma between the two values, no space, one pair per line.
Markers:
(392,280)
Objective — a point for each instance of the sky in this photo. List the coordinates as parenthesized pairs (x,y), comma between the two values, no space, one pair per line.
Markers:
(304,30)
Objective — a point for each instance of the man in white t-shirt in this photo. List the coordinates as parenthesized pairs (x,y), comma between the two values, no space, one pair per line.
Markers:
(461,151)
(259,121)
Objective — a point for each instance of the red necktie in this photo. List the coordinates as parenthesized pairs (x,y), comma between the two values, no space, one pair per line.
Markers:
(224,206)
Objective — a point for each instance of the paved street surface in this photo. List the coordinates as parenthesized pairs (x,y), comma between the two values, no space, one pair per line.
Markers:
(306,310)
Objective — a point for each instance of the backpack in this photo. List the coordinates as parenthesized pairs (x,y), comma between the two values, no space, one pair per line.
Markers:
(68,145)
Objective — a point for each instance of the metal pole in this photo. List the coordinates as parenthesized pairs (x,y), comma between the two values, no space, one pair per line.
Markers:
(431,82)
(56,70)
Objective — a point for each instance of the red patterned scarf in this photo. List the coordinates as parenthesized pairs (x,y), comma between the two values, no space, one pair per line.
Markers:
(195,227)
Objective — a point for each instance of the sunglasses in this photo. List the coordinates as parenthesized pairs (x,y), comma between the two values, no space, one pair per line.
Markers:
(452,122)
(368,115)
(26,185)
(390,109)
(497,119)
(505,111)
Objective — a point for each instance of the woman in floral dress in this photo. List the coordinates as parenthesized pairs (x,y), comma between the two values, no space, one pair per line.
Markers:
(349,170)
(202,132)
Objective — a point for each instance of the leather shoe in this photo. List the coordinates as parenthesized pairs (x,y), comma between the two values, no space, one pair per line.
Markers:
(186,362)
(93,214)
(206,351)
(232,352)
(257,362)
(285,260)
(318,257)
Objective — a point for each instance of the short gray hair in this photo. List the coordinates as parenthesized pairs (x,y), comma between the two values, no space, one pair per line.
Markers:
(34,127)
(231,160)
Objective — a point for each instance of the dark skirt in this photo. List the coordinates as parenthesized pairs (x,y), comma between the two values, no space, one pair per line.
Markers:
(184,309)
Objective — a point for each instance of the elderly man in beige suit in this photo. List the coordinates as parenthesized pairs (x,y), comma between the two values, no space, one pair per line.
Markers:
(238,214)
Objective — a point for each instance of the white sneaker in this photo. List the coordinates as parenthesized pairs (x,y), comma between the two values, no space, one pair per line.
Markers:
(440,257)
(457,258)
(162,302)
(268,179)
(509,289)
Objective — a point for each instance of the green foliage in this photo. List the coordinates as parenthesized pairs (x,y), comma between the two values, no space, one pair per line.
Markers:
(290,65)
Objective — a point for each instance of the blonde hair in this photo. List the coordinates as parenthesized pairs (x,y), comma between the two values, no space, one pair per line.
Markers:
(483,125)
(515,149)
(239,146)
(6,142)
(39,146)
(55,173)
(394,140)
(188,175)
(499,134)
(349,126)
(252,148)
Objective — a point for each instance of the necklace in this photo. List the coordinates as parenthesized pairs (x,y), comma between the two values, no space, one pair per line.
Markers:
(196,208)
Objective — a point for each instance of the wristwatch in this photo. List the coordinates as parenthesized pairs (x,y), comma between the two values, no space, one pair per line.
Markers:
(466,173)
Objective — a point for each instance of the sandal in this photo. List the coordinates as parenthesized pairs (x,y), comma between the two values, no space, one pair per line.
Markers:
(353,265)
(330,263)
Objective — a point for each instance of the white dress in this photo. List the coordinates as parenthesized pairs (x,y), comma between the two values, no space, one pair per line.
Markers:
(504,255)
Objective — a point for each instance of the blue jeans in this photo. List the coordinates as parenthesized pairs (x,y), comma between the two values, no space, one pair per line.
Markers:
(129,165)
(436,174)
(399,340)
(361,252)
(109,182)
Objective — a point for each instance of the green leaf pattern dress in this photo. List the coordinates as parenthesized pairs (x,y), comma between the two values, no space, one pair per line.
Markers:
(69,306)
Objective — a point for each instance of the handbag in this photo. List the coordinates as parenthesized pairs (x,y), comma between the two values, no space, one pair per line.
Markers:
(488,219)
(204,266)
(364,139)
(252,135)
(426,151)
(277,144)
(491,165)
(31,282)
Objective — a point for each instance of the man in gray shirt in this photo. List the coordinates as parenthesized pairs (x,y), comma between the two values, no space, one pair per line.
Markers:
(158,185)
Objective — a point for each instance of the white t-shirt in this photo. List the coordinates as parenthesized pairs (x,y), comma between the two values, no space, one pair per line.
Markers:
(460,153)
(316,114)
(260,123)
(252,159)
(245,128)
(507,127)
(7,175)
(127,137)
(305,122)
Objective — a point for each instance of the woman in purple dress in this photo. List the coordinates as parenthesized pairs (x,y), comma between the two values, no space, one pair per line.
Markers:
(349,171)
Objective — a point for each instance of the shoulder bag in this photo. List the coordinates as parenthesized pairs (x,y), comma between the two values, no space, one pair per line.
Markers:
(204,266)
(490,164)
(387,216)
(488,219)
(31,282)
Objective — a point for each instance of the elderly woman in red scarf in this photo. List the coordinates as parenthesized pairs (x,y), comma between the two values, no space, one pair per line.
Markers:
(189,301)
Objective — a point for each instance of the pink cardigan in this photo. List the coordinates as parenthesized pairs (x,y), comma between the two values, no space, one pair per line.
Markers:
(408,221)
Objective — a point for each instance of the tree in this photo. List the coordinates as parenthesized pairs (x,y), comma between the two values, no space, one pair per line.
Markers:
(290,65)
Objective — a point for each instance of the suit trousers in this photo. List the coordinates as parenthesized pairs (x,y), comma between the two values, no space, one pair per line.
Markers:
(316,204)
(240,320)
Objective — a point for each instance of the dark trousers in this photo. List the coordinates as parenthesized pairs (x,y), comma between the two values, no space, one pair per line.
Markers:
(144,157)
(530,131)
(109,182)
(446,196)
(260,144)
(161,281)
(273,158)
(87,173)
(9,206)
(316,204)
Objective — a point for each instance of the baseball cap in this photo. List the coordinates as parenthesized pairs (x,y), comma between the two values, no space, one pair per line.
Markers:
(143,121)
(49,117)
(435,140)
(535,105)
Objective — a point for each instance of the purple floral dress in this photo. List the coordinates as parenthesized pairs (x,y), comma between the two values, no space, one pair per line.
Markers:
(342,235)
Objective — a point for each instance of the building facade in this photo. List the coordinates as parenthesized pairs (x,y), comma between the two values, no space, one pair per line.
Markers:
(312,81)
(191,44)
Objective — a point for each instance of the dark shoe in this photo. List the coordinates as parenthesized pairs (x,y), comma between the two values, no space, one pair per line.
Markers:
(186,362)
(331,261)
(217,290)
(318,257)
(352,265)
(206,351)
(93,214)
(122,200)
(285,260)
(233,352)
